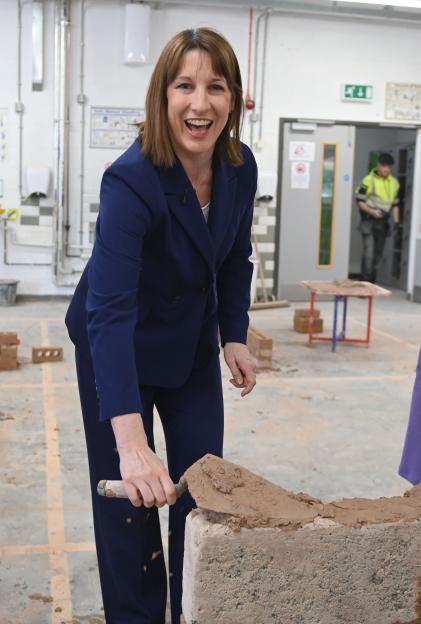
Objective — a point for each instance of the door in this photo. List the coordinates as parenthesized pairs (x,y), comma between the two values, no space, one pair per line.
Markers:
(393,269)
(316,199)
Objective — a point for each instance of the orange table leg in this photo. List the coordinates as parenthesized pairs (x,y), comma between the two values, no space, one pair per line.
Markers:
(370,305)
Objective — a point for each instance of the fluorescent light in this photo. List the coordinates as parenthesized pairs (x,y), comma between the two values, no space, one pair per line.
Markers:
(408,4)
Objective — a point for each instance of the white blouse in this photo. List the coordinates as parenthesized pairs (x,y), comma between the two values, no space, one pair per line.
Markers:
(205,210)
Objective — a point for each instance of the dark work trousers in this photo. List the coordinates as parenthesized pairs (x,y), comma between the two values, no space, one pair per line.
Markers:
(128,539)
(374,233)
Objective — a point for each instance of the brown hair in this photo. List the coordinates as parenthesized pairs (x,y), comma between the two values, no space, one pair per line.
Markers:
(154,132)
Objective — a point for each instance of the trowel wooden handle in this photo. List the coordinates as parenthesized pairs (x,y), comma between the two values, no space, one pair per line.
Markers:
(116,489)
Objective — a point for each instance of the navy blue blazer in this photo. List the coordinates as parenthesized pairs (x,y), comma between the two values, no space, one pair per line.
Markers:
(160,281)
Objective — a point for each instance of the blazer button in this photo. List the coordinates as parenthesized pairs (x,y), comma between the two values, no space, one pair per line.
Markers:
(176,299)
(204,290)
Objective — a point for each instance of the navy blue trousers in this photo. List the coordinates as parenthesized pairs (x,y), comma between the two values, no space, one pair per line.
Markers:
(128,539)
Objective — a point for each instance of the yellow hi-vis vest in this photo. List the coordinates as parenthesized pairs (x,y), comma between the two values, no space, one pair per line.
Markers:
(379,192)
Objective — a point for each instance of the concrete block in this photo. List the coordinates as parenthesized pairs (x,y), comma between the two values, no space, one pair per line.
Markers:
(266,247)
(320,573)
(260,229)
(267,220)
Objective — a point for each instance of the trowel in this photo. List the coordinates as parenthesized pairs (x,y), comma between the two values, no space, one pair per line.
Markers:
(115,489)
(220,486)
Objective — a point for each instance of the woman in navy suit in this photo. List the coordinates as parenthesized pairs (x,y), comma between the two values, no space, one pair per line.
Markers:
(169,278)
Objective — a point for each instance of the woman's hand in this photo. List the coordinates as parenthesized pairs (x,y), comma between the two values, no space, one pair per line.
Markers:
(141,470)
(242,366)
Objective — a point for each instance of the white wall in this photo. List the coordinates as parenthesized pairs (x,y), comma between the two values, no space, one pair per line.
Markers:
(307,61)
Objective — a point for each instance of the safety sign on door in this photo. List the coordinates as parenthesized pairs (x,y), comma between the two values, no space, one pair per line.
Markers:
(302,150)
(300,175)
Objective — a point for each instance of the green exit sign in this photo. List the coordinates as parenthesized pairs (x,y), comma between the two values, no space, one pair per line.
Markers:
(357,93)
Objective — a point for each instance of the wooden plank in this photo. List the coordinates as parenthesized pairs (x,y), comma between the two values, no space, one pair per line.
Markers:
(344,288)
(267,305)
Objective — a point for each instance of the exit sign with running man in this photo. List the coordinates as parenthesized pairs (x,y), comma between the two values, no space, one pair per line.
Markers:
(357,93)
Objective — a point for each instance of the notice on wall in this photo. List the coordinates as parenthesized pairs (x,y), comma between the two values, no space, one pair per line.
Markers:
(3,134)
(300,175)
(403,101)
(114,127)
(302,151)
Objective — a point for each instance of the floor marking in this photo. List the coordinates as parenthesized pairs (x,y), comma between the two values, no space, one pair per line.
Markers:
(41,549)
(59,565)
(345,378)
(386,335)
(16,386)
(37,319)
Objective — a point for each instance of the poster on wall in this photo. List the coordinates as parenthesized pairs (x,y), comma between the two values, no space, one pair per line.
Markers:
(3,134)
(302,151)
(113,127)
(403,101)
(300,175)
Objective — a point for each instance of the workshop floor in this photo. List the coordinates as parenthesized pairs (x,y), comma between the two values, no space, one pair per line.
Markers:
(330,424)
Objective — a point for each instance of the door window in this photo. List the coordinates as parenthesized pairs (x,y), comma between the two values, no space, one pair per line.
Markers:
(327,204)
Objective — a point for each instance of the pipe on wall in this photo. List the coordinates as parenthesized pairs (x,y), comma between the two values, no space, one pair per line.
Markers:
(263,79)
(80,248)
(19,106)
(253,116)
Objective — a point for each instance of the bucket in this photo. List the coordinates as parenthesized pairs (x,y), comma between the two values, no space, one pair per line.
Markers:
(8,292)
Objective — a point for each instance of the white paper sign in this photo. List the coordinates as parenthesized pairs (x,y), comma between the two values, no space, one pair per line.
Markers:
(302,151)
(300,175)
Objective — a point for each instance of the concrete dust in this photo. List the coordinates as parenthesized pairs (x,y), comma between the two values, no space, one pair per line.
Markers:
(88,619)
(41,597)
(243,499)
(4,416)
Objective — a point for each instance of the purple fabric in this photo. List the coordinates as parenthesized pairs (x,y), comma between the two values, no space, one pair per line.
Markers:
(410,467)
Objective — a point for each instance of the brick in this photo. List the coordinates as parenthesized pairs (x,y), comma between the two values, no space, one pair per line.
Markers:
(8,352)
(260,346)
(8,364)
(320,573)
(305,312)
(46,354)
(8,338)
(301,325)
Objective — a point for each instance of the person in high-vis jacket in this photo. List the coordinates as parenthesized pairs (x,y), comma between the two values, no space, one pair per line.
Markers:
(378,200)
(167,283)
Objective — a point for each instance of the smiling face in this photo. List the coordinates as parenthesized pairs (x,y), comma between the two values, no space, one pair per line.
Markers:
(199,103)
